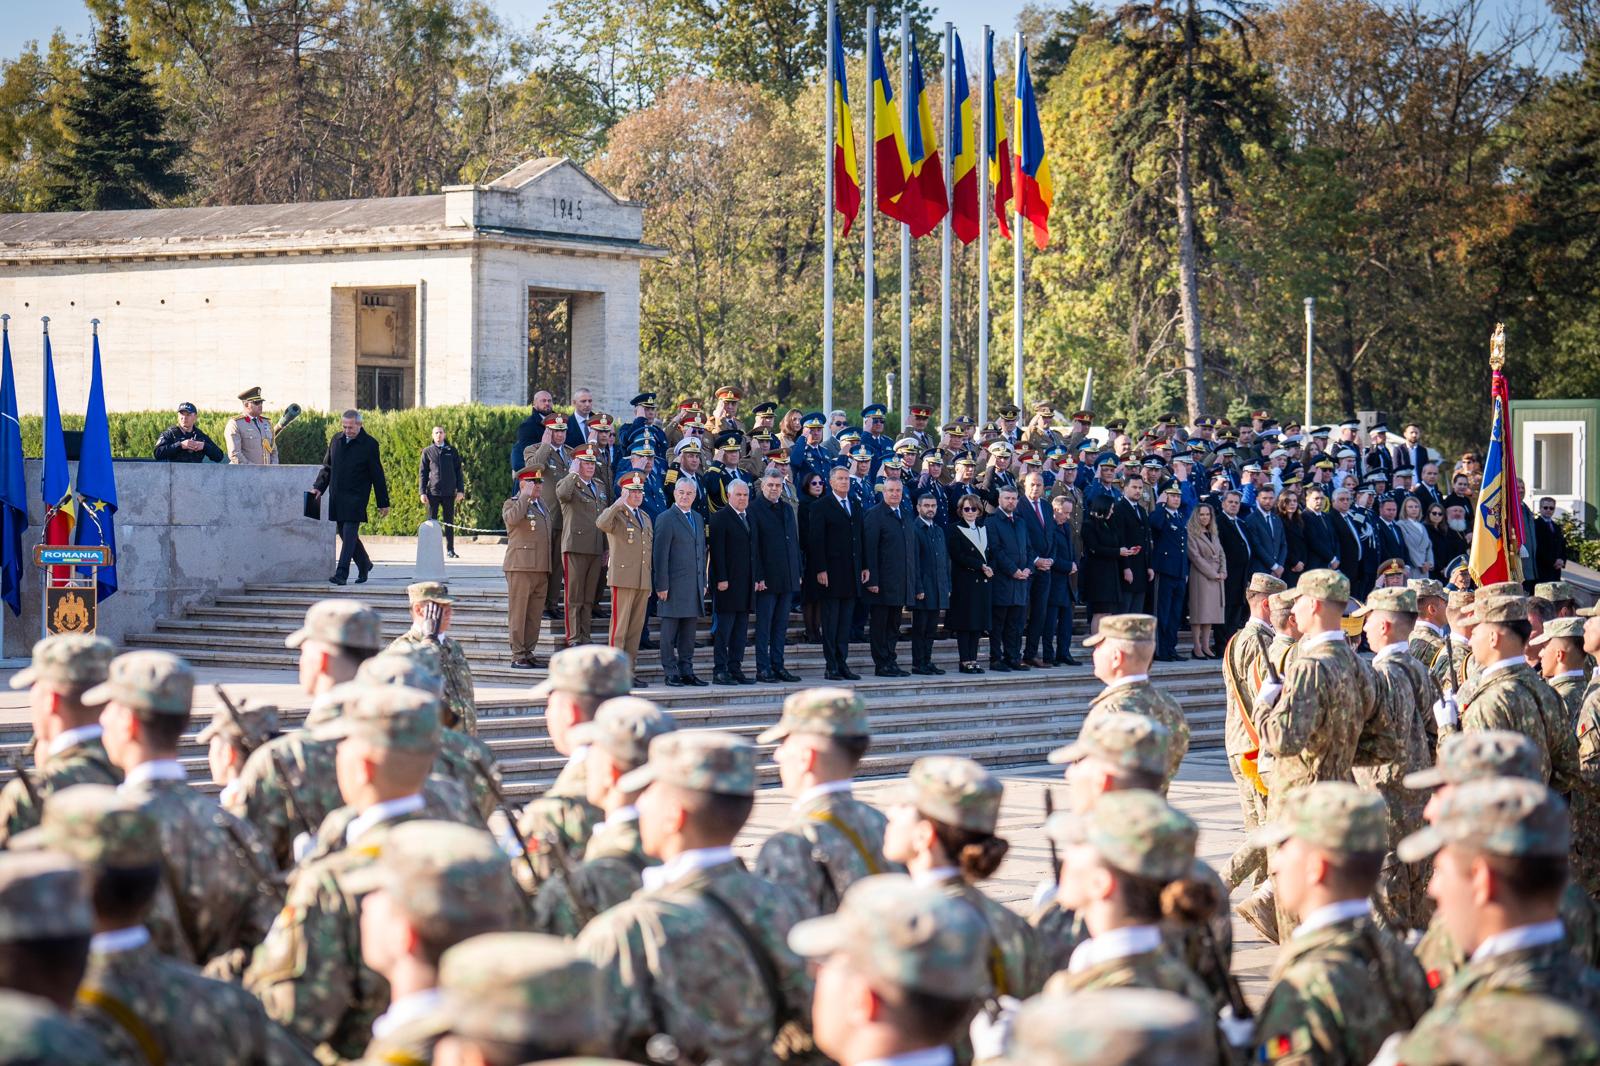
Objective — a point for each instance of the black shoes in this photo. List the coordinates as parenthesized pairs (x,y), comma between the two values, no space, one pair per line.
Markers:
(648,645)
(784,675)
(970,668)
(674,682)
(451,555)
(722,677)
(1000,667)
(741,677)
(361,575)
(524,664)
(335,580)
(766,677)
(697,682)
(848,674)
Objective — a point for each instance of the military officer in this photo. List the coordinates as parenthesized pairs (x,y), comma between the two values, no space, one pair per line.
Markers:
(249,436)
(628,530)
(644,422)
(1245,668)
(642,457)
(554,457)
(700,954)
(527,565)
(832,839)
(1563,663)
(1586,803)
(1458,612)
(1428,635)
(231,736)
(64,668)
(617,741)
(1123,649)
(724,468)
(583,545)
(431,613)
(725,411)
(878,443)
(810,453)
(45,928)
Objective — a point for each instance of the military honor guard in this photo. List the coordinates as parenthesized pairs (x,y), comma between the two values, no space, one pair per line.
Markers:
(629,529)
(431,614)
(527,564)
(249,435)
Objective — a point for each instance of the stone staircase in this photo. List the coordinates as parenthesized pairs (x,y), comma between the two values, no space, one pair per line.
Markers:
(1001,720)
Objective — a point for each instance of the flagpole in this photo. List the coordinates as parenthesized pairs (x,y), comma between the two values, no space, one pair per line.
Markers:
(1016,261)
(870,203)
(827,216)
(908,114)
(985,120)
(944,246)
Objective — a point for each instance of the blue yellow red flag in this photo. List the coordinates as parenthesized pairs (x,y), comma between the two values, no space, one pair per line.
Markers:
(846,178)
(964,210)
(893,169)
(1034,190)
(57,481)
(996,147)
(1497,517)
(97,481)
(925,201)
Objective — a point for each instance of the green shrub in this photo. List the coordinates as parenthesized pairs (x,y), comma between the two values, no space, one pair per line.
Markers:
(483,435)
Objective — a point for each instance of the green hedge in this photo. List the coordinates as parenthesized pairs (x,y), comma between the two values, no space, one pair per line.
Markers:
(483,436)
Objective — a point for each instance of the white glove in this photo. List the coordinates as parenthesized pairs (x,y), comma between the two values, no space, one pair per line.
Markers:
(991,1035)
(1270,692)
(302,845)
(1446,712)
(1239,1032)
(1043,893)
(1389,1052)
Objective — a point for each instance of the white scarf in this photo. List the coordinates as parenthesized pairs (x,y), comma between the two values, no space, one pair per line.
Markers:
(978,535)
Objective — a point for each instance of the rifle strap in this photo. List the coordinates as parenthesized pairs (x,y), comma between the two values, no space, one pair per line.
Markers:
(1247,761)
(758,952)
(129,1022)
(829,818)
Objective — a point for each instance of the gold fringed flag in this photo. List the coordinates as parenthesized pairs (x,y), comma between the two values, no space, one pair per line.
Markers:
(1497,518)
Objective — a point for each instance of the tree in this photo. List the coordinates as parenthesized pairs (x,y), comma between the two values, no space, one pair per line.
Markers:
(117,155)
(34,91)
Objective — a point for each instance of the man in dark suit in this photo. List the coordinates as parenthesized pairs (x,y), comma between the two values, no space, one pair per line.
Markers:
(933,582)
(1428,492)
(732,586)
(1039,522)
(1347,535)
(1132,528)
(678,573)
(579,432)
(1391,545)
(442,484)
(889,556)
(1410,451)
(1169,556)
(776,570)
(833,553)
(1322,545)
(531,429)
(1550,553)
(1236,554)
(1009,557)
(351,472)
(1264,530)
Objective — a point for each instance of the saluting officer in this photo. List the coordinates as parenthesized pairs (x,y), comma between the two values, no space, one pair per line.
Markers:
(628,528)
(527,564)
(249,436)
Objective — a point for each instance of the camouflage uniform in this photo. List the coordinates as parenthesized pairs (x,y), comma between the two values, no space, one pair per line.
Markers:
(1112,1027)
(614,860)
(69,664)
(1586,801)
(43,895)
(457,675)
(1140,697)
(701,954)
(1508,1029)
(1246,667)
(1342,983)
(32,1030)
(1572,684)
(832,839)
(562,817)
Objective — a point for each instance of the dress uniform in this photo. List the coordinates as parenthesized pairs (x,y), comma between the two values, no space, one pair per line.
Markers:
(582,543)
(809,453)
(645,401)
(723,469)
(554,458)
(249,436)
(527,564)
(655,498)
(877,442)
(628,529)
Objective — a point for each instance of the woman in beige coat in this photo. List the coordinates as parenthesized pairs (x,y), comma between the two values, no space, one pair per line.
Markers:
(1207,571)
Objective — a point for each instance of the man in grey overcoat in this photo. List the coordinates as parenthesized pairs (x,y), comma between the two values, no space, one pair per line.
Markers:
(679,578)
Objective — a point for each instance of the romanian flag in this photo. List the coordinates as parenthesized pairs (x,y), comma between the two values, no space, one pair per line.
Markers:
(998,150)
(924,203)
(97,481)
(1033,187)
(1497,521)
(57,478)
(846,178)
(889,149)
(964,209)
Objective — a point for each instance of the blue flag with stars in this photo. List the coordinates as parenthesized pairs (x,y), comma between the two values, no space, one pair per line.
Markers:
(97,481)
(13,484)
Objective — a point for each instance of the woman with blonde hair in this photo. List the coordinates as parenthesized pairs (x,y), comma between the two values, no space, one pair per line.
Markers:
(1208,571)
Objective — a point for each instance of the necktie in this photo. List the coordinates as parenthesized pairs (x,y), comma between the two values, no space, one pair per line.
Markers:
(1038,510)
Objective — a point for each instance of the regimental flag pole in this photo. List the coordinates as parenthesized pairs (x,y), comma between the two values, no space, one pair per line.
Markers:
(908,115)
(988,136)
(1497,519)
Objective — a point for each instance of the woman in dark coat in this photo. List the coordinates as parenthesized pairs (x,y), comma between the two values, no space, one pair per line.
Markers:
(811,490)
(1294,532)
(970,610)
(1100,570)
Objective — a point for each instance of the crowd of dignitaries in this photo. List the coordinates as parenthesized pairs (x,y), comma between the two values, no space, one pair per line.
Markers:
(346,901)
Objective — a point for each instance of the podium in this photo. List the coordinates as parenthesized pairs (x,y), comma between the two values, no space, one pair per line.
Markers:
(71,599)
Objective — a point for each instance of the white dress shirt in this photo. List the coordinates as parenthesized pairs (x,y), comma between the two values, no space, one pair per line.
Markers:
(684,864)
(155,770)
(378,813)
(69,738)
(1521,938)
(1332,914)
(1115,944)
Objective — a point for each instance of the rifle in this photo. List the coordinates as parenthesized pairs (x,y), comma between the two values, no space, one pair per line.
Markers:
(19,763)
(231,713)
(1055,856)
(522,843)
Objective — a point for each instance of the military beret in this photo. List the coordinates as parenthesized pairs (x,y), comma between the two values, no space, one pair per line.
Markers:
(587,670)
(829,712)
(153,681)
(70,660)
(1135,831)
(1499,815)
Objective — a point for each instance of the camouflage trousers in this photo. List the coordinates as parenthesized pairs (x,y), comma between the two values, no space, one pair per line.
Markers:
(1247,863)
(1400,901)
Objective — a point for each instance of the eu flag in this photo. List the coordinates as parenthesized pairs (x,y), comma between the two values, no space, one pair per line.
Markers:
(13,484)
(97,481)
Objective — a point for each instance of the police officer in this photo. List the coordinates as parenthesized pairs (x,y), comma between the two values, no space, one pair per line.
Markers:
(186,442)
(249,436)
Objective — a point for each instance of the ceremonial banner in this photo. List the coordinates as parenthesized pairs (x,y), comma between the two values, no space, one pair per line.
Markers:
(13,482)
(97,482)
(964,210)
(998,150)
(846,178)
(1497,521)
(57,487)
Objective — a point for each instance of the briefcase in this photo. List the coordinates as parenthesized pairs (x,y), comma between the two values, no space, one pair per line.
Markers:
(313,506)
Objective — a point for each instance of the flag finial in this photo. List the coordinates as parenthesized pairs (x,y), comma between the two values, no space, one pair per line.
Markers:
(46,320)
(1497,346)
(94,326)
(5,322)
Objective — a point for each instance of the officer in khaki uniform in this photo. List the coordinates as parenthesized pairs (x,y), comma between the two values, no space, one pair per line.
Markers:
(68,750)
(249,435)
(527,564)
(628,531)
(583,544)
(552,456)
(1123,648)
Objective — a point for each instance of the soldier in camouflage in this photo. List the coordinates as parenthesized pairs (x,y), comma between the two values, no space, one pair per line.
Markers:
(912,952)
(1586,802)
(142,1006)
(32,1031)
(430,617)
(67,733)
(832,839)
(1563,664)
(1123,647)
(700,955)
(230,737)
(618,742)
(1508,1029)
(1560,595)
(1429,635)
(1246,666)
(1110,1027)
(580,680)
(1286,631)
(434,885)
(1459,663)
(45,925)
(215,865)
(1342,983)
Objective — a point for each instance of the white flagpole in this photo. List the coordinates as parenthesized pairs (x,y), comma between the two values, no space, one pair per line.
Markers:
(908,115)
(985,120)
(1016,263)
(950,118)
(827,218)
(868,209)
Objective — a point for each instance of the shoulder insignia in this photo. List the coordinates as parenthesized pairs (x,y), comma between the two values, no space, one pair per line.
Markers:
(1295,1042)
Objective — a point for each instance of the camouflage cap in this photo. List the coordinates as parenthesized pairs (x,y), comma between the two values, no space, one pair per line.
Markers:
(1397,600)
(1555,591)
(1505,1029)
(251,727)
(72,660)
(953,790)
(829,712)
(1502,588)
(449,879)
(1281,601)
(388,717)
(1110,1027)
(34,1031)
(1500,815)
(418,666)
(96,826)
(701,761)
(1331,815)
(1495,607)
(1139,628)
(1571,628)
(1266,583)
(518,988)
(331,704)
(1328,586)
(588,670)
(895,931)
(1426,588)
(342,623)
(154,681)
(1133,830)
(1461,599)
(429,592)
(1126,741)
(42,894)
(1478,754)
(624,727)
